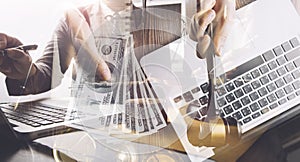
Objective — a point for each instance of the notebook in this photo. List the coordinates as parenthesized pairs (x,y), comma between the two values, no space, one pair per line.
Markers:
(261,63)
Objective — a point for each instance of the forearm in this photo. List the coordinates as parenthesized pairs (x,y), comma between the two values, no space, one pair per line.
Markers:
(60,47)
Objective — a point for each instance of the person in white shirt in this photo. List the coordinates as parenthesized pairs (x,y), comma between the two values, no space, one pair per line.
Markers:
(17,62)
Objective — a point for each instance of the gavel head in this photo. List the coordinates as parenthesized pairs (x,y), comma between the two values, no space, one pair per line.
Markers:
(215,132)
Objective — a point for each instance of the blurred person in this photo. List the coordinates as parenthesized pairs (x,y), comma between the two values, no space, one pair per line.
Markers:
(18,65)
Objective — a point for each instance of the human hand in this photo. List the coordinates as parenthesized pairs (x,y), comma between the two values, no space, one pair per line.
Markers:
(83,37)
(219,13)
(16,63)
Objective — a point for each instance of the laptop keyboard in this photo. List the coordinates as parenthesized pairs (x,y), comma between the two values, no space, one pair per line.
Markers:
(36,114)
(254,88)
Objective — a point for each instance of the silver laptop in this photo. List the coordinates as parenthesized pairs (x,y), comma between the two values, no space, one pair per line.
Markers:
(261,63)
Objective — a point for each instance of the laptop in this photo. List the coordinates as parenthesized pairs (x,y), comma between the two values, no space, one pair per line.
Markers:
(261,63)
(49,113)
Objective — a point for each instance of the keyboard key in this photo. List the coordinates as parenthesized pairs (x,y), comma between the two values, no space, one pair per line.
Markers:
(281,71)
(221,91)
(228,109)
(273,75)
(294,42)
(272,65)
(188,96)
(247,88)
(255,115)
(289,67)
(245,67)
(219,81)
(297,62)
(221,102)
(195,104)
(264,69)
(268,55)
(236,105)
(229,87)
(262,91)
(265,110)
(222,115)
(35,124)
(286,46)
(296,84)
(195,115)
(279,83)
(254,107)
(264,80)
(255,74)
(204,87)
(230,97)
(281,60)
(282,101)
(203,100)
(254,96)
(288,78)
(247,78)
(296,74)
(271,98)
(195,90)
(255,84)
(237,115)
(204,110)
(45,122)
(238,93)
(246,120)
(263,102)
(271,87)
(177,99)
(292,55)
(298,93)
(273,106)
(291,96)
(246,111)
(278,50)
(279,93)
(238,82)
(245,100)
(288,89)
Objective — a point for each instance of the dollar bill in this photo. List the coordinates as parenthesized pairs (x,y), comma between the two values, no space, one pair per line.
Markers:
(152,101)
(145,105)
(91,89)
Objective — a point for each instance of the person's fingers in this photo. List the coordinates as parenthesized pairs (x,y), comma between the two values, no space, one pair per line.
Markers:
(225,15)
(221,37)
(206,5)
(202,46)
(204,21)
(8,41)
(19,56)
(3,41)
(5,67)
(2,57)
(103,69)
(199,24)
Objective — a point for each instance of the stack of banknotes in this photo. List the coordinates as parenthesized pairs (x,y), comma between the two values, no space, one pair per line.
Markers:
(126,104)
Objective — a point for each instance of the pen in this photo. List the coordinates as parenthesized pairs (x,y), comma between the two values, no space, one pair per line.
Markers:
(22,47)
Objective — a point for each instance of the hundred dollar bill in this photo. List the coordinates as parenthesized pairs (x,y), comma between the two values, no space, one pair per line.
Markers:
(152,102)
(145,105)
(118,118)
(143,116)
(91,90)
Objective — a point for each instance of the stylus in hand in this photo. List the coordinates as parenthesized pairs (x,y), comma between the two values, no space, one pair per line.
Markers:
(25,48)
